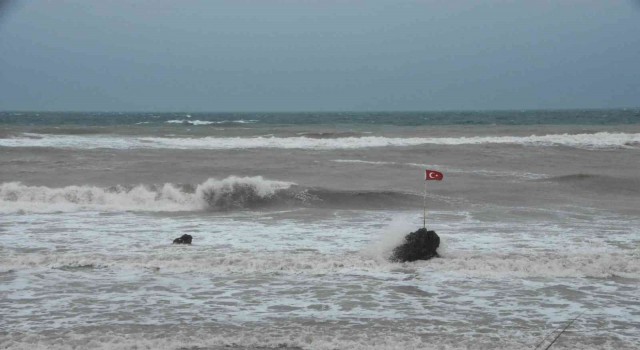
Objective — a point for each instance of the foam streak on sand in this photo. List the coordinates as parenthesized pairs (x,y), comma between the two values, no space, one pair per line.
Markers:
(600,140)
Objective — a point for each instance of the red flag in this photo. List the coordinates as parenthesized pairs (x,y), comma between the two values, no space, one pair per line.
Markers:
(433,175)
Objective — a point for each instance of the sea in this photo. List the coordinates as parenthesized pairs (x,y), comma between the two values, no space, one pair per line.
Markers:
(294,217)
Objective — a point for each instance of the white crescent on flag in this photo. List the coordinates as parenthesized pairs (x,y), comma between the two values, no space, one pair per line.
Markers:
(433,175)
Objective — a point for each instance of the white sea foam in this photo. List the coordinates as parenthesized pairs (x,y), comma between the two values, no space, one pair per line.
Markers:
(206,122)
(601,140)
(550,265)
(211,194)
(294,282)
(371,261)
(289,336)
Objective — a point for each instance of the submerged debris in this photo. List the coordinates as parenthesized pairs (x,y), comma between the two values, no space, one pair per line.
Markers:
(418,245)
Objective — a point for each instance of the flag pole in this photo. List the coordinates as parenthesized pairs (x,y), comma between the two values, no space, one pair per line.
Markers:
(424,206)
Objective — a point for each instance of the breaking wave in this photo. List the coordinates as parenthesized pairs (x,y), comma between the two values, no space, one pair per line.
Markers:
(601,140)
(231,193)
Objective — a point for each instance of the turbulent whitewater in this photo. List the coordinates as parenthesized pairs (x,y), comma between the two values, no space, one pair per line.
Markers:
(294,218)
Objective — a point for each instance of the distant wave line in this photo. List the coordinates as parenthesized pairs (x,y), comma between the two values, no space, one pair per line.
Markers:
(600,140)
(207,122)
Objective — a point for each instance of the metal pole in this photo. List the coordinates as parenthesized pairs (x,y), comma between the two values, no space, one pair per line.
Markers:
(424,207)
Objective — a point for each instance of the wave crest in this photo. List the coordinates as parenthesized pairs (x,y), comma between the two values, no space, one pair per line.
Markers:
(230,193)
(600,140)
(237,193)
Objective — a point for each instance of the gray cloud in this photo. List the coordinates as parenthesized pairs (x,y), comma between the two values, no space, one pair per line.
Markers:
(318,55)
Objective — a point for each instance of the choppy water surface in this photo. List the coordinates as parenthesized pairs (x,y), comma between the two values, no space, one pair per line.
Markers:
(293,223)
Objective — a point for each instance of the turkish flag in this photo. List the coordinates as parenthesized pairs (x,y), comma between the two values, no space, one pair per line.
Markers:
(433,175)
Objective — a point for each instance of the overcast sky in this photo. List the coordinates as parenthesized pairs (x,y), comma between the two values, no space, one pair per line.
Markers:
(318,55)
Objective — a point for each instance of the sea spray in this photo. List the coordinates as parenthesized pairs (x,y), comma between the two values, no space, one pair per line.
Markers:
(389,237)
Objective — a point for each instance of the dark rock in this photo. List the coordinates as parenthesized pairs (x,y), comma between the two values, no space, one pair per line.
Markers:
(419,245)
(185,239)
